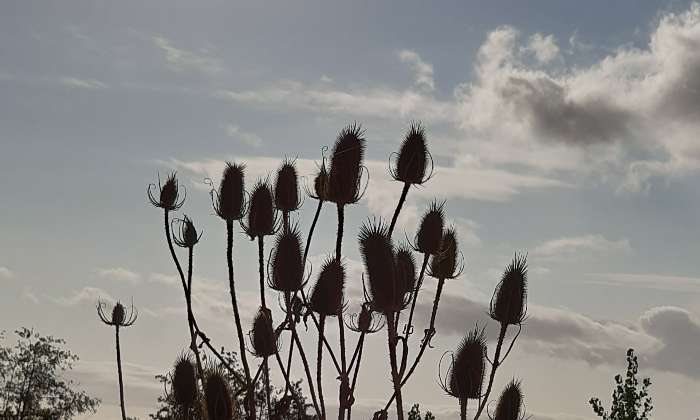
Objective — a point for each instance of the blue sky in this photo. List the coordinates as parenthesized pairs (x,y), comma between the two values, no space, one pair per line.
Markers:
(564,129)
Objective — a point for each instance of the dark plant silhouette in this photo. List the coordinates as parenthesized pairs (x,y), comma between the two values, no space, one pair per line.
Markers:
(510,403)
(465,376)
(630,399)
(184,386)
(415,414)
(120,317)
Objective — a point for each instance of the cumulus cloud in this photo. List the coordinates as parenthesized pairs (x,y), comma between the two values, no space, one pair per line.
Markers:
(576,245)
(181,60)
(544,47)
(86,295)
(423,71)
(250,139)
(120,274)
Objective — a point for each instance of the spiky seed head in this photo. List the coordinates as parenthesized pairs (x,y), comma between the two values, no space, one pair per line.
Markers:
(405,270)
(509,301)
(344,177)
(328,292)
(263,336)
(321,184)
(187,237)
(184,382)
(466,376)
(287,261)
(168,194)
(230,203)
(429,236)
(218,397)
(287,187)
(510,403)
(413,157)
(262,219)
(118,314)
(444,265)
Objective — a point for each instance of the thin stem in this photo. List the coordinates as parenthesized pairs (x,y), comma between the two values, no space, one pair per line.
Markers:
(261,263)
(408,329)
(286,374)
(463,408)
(119,371)
(339,237)
(267,388)
(289,362)
(343,365)
(305,362)
(319,364)
(357,370)
(494,367)
(325,341)
(190,314)
(402,199)
(396,380)
(311,229)
(236,314)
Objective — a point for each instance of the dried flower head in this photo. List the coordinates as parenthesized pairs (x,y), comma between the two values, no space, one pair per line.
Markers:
(184,382)
(120,316)
(445,264)
(385,292)
(320,189)
(328,293)
(262,336)
(262,216)
(229,202)
(345,175)
(168,194)
(217,396)
(465,376)
(405,270)
(429,236)
(366,321)
(509,301)
(510,403)
(287,188)
(186,236)
(287,265)
(414,164)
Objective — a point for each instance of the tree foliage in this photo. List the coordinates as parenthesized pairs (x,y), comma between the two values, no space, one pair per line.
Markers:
(415,414)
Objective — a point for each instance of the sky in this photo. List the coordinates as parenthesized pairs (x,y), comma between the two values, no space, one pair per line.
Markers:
(567,130)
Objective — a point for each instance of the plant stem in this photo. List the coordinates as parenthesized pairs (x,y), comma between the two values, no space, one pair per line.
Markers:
(311,230)
(190,314)
(339,237)
(261,263)
(119,371)
(267,387)
(402,199)
(343,363)
(357,370)
(463,408)
(409,326)
(305,362)
(396,380)
(234,302)
(494,367)
(319,364)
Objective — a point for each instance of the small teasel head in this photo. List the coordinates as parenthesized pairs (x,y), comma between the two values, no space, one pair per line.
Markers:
(286,270)
(169,193)
(446,264)
(186,235)
(510,403)
(405,270)
(509,301)
(327,296)
(120,316)
(229,201)
(414,164)
(184,382)
(428,239)
(366,321)
(465,376)
(287,197)
(320,187)
(262,336)
(217,396)
(262,215)
(345,175)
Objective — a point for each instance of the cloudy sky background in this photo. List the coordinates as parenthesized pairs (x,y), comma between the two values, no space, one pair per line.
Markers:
(564,129)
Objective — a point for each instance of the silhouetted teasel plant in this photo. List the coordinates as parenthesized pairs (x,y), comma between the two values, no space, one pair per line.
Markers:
(120,317)
(287,197)
(184,387)
(217,397)
(510,403)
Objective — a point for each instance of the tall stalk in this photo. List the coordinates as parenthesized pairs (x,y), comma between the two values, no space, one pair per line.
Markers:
(261,264)
(343,363)
(319,364)
(402,199)
(494,366)
(409,326)
(119,371)
(396,380)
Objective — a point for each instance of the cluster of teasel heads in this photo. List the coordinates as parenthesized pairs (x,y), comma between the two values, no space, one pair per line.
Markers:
(393,276)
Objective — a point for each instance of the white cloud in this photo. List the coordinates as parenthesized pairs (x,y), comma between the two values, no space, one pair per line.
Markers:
(181,60)
(574,246)
(165,279)
(86,295)
(648,281)
(544,48)
(73,82)
(423,71)
(250,139)
(120,274)
(6,273)
(29,295)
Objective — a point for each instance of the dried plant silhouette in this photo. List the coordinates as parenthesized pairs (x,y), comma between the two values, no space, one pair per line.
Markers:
(209,382)
(120,317)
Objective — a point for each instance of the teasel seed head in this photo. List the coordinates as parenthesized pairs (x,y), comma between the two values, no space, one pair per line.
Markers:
(120,316)
(510,403)
(465,376)
(262,336)
(186,236)
(287,198)
(366,321)
(217,396)
(287,265)
(414,164)
(345,175)
(405,270)
(445,264)
(320,191)
(429,236)
(327,296)
(184,382)
(169,198)
(229,202)
(262,216)
(509,301)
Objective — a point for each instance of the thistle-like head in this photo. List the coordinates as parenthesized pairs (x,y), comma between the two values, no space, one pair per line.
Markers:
(287,197)
(327,296)
(345,175)
(414,164)
(366,321)
(446,264)
(186,236)
(465,375)
(120,316)
(510,403)
(217,396)
(169,197)
(262,215)
(405,270)
(428,239)
(320,188)
(229,201)
(286,271)
(262,336)
(184,382)
(509,301)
